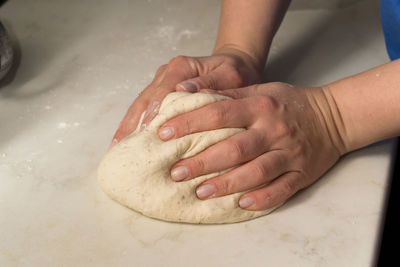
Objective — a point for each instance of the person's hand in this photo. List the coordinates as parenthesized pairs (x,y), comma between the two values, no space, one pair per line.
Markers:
(289,141)
(226,68)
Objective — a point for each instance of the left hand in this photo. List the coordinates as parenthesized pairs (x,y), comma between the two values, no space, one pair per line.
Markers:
(228,67)
(289,142)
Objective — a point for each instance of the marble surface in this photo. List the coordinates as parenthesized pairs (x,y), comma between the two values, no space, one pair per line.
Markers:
(79,66)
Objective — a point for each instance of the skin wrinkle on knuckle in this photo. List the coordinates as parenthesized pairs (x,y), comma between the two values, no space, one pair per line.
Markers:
(266,198)
(236,151)
(184,64)
(199,168)
(223,186)
(188,127)
(218,114)
(259,171)
(288,188)
(194,65)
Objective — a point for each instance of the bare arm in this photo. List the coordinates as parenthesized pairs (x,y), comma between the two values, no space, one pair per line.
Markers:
(245,34)
(249,26)
(364,108)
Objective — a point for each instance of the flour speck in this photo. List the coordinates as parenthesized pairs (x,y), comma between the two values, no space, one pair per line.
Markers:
(62,125)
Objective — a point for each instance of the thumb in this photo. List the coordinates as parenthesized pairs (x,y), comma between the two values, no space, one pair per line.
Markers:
(239,92)
(195,84)
(218,79)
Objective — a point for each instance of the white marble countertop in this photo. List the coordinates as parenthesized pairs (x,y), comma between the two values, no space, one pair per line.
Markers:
(82,63)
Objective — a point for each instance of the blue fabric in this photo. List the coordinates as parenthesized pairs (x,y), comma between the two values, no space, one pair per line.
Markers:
(390,16)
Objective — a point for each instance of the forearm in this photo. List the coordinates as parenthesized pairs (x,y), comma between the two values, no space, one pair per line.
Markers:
(250,25)
(365,107)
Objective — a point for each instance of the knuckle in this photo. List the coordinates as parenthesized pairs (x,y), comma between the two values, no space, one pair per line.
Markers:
(237,151)
(266,103)
(198,166)
(259,171)
(222,186)
(217,114)
(225,186)
(189,127)
(288,188)
(177,61)
(283,129)
(267,197)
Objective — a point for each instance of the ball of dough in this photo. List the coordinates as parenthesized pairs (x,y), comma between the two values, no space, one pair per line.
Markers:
(136,171)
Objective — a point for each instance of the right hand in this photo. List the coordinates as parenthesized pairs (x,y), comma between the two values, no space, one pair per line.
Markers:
(227,68)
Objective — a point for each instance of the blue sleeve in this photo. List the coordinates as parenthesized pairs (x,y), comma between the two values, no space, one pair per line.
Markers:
(390,16)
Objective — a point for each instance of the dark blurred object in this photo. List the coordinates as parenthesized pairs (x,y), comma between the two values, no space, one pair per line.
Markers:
(6,52)
(2,2)
(388,253)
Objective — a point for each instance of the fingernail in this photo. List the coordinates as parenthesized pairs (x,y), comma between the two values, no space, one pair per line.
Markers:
(205,190)
(188,86)
(166,133)
(179,173)
(145,114)
(246,202)
(152,109)
(113,143)
(155,106)
(142,127)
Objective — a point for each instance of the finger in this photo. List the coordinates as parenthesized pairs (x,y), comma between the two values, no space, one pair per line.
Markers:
(242,92)
(152,110)
(261,170)
(134,112)
(167,76)
(209,91)
(222,114)
(130,120)
(218,79)
(273,194)
(178,69)
(235,150)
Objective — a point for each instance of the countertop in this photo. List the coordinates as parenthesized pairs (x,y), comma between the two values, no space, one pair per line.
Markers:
(79,65)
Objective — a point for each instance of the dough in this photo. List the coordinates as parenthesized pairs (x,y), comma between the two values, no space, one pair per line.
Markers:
(136,172)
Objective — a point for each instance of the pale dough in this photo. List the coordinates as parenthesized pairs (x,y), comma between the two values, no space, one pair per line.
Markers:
(136,172)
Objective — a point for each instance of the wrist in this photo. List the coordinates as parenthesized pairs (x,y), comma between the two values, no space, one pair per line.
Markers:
(329,116)
(247,57)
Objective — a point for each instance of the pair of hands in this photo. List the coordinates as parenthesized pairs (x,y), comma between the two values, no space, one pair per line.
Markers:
(286,146)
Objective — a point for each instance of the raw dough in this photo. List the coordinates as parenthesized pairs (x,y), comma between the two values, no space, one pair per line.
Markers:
(135,172)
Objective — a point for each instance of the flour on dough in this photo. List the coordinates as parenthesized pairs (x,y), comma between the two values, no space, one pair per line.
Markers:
(136,171)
